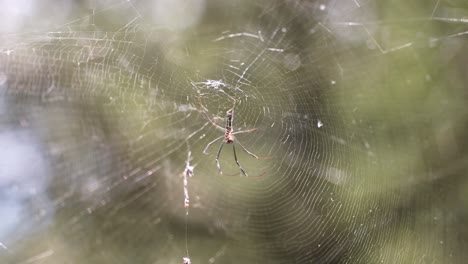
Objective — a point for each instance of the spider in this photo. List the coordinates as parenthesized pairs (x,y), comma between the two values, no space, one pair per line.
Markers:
(229,138)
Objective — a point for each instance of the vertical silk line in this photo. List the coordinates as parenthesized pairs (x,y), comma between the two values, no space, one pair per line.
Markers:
(187,172)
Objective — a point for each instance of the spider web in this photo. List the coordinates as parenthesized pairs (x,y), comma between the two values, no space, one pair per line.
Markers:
(359,105)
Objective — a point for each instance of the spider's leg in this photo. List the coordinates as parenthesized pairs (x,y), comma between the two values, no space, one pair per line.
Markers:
(244,131)
(204,110)
(217,158)
(214,124)
(248,152)
(251,154)
(211,143)
(235,157)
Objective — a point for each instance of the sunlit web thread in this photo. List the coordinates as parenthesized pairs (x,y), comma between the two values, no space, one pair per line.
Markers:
(188,172)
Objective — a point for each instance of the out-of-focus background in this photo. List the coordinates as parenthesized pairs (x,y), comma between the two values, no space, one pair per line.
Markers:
(359,109)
